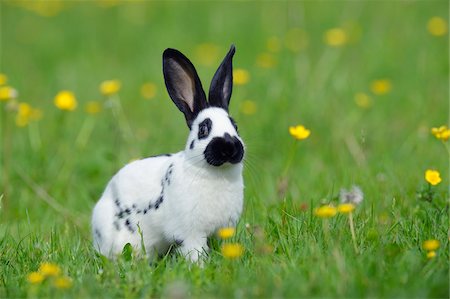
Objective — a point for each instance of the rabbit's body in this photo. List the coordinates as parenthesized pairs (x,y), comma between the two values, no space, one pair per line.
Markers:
(179,199)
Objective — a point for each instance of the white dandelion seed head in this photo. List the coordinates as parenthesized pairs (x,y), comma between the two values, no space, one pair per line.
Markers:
(354,195)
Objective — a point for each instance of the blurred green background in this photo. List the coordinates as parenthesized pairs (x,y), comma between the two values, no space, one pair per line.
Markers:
(368,78)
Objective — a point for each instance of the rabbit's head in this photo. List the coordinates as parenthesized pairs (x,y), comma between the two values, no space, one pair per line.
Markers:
(213,137)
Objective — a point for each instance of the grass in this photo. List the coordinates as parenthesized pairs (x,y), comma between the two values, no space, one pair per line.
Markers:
(385,148)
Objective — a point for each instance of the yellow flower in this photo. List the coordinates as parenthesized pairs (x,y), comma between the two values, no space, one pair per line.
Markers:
(93,107)
(248,107)
(441,133)
(65,100)
(3,79)
(431,254)
(265,60)
(273,44)
(363,100)
(26,113)
(148,90)
(335,37)
(49,269)
(437,26)
(325,211)
(381,86)
(35,278)
(241,76)
(207,54)
(7,93)
(296,39)
(110,87)
(232,250)
(431,245)
(433,177)
(226,232)
(299,132)
(346,208)
(62,282)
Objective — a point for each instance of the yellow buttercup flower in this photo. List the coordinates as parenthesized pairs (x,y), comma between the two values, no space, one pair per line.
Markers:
(265,60)
(431,254)
(325,211)
(35,278)
(433,177)
(62,282)
(346,208)
(226,232)
(110,87)
(93,107)
(248,107)
(381,86)
(3,79)
(232,250)
(241,76)
(441,133)
(148,90)
(207,54)
(296,39)
(65,100)
(437,26)
(7,93)
(363,100)
(299,132)
(431,245)
(49,269)
(26,114)
(335,37)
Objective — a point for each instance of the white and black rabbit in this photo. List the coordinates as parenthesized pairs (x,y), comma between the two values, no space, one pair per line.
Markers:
(182,198)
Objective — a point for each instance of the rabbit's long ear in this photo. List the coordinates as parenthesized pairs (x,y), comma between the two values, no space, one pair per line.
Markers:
(222,82)
(183,84)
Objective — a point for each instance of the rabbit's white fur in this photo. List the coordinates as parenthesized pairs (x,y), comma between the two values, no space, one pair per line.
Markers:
(198,198)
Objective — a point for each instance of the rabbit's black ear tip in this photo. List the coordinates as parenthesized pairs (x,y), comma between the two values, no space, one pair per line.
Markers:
(169,52)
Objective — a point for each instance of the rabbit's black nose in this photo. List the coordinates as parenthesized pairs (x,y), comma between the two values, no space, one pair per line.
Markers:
(224,149)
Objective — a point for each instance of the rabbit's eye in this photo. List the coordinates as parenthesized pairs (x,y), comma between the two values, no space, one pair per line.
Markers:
(204,128)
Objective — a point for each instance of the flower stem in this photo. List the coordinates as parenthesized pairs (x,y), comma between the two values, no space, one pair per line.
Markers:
(352,230)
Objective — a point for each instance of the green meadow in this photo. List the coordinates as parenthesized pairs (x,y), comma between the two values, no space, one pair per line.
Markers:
(368,79)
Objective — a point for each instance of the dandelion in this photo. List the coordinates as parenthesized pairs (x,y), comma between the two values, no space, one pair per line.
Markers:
(346,208)
(62,282)
(325,211)
(207,54)
(437,26)
(273,44)
(296,39)
(354,195)
(240,76)
(49,269)
(265,61)
(431,254)
(148,90)
(431,245)
(35,278)
(65,100)
(363,100)
(381,86)
(93,107)
(226,232)
(299,132)
(335,37)
(110,87)
(441,133)
(232,250)
(433,177)
(3,79)
(248,107)
(7,93)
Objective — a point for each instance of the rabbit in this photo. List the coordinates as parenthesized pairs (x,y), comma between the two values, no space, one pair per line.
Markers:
(179,199)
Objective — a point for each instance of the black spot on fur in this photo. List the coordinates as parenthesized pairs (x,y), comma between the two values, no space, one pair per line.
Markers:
(134,206)
(145,211)
(192,144)
(129,225)
(159,201)
(138,211)
(128,211)
(116,225)
(179,242)
(117,202)
(98,234)
(204,128)
(167,177)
